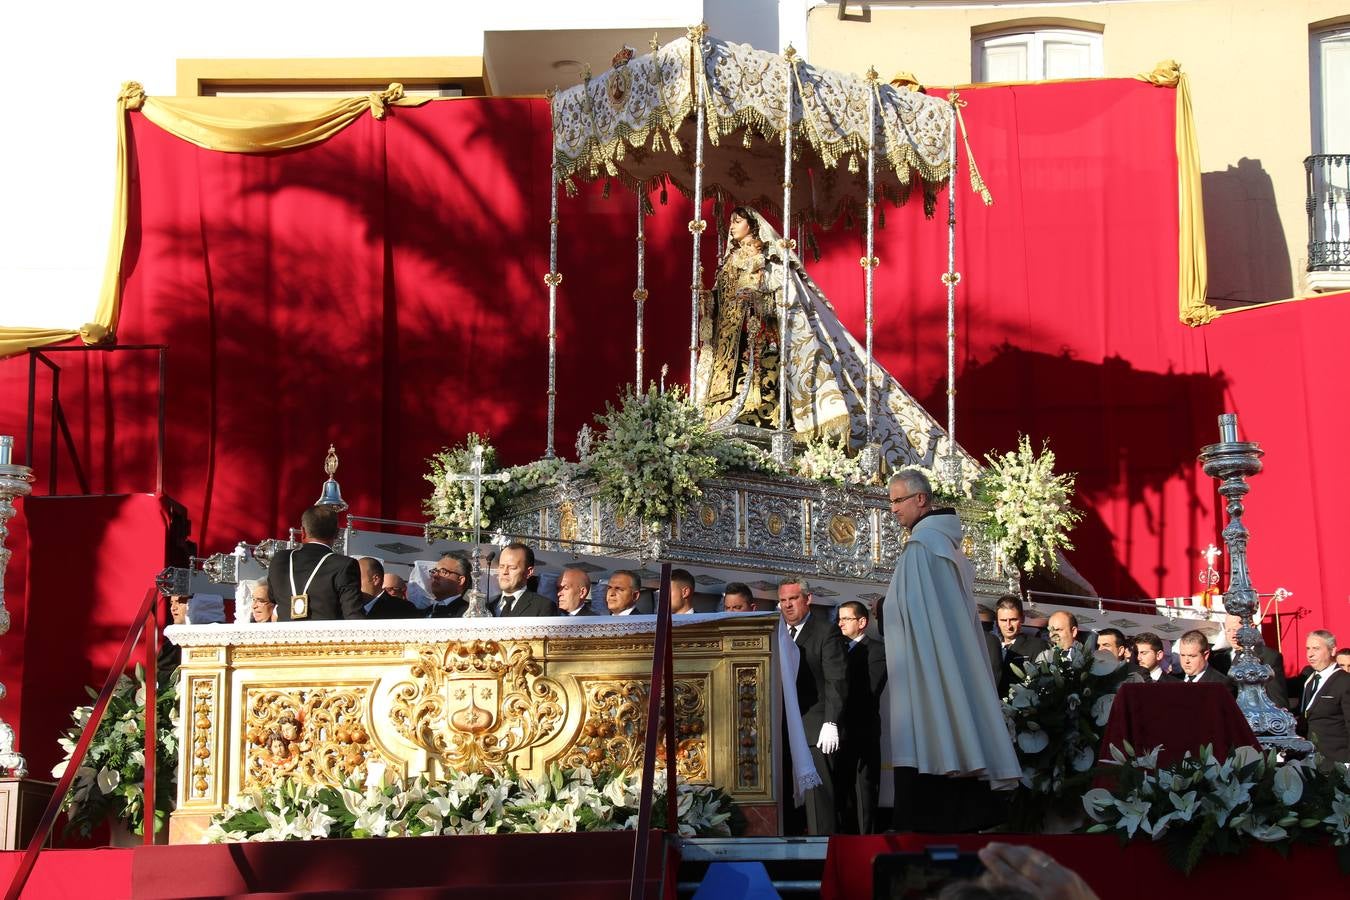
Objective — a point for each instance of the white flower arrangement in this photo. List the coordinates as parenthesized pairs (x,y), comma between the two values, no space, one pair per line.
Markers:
(1056,714)
(1204,805)
(827,458)
(451,502)
(656,449)
(110,780)
(737,454)
(1030,514)
(467,803)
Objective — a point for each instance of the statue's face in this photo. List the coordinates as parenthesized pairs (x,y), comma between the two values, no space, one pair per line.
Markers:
(739,227)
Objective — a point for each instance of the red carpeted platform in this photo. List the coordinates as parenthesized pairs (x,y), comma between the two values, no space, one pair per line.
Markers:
(557,866)
(1138,869)
(72,874)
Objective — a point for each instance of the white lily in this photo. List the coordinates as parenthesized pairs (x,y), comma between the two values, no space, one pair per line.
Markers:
(1288,785)
(1033,741)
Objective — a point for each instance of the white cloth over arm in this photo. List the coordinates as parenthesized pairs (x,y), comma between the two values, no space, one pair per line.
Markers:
(946,718)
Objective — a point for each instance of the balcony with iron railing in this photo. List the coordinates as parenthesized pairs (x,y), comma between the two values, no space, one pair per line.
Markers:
(1328,207)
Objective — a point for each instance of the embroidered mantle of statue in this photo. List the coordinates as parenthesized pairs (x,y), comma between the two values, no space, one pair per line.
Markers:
(740,362)
(738,331)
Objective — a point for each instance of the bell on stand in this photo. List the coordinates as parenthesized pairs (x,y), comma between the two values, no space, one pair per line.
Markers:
(331,494)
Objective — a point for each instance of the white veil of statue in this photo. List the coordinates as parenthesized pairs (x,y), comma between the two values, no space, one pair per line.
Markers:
(825,366)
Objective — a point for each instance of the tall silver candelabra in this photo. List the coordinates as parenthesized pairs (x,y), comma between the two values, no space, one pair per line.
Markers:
(15,481)
(1231,461)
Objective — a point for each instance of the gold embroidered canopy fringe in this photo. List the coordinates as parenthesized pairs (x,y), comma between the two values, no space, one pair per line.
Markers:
(634,123)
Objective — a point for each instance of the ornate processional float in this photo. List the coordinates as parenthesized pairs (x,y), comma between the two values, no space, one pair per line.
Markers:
(774,464)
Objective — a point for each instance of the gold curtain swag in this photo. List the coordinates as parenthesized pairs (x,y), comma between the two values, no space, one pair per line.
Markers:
(227,124)
(1192,260)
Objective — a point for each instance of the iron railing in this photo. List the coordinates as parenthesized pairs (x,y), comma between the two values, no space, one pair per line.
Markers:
(1328,212)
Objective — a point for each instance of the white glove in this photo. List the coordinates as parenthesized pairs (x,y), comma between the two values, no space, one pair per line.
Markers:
(828,742)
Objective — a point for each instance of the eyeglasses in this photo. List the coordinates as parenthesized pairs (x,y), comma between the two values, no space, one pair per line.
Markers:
(896,501)
(848,618)
(446,573)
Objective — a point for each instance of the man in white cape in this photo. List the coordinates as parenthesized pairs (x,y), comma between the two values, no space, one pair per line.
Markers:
(949,741)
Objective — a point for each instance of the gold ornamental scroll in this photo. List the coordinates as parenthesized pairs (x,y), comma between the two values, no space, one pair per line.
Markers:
(325,702)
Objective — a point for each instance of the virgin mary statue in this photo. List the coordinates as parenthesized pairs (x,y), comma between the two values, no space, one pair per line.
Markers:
(740,362)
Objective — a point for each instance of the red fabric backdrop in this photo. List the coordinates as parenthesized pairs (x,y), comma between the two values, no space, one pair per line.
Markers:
(383,291)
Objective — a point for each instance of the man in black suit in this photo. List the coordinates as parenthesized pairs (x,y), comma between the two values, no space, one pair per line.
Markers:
(1222,660)
(1014,647)
(857,767)
(738,598)
(822,690)
(623,594)
(574,592)
(313,582)
(1112,640)
(1148,649)
(376,604)
(1193,652)
(449,581)
(515,567)
(681,592)
(1325,706)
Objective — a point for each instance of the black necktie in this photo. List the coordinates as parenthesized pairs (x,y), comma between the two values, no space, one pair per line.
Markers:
(1310,691)
(792,633)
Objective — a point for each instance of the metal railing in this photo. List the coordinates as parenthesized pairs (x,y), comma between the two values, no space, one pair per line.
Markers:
(1328,207)
(147,624)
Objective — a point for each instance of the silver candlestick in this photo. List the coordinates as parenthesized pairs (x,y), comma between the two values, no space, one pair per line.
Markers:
(15,481)
(1231,461)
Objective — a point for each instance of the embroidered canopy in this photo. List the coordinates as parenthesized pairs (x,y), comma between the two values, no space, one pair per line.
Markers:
(636,123)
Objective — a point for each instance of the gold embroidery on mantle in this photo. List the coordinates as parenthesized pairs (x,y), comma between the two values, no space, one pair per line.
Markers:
(474,704)
(317,735)
(615,729)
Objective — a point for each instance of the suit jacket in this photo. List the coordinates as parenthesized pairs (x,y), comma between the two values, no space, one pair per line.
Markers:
(586,610)
(1327,717)
(335,592)
(529,604)
(455,609)
(865,667)
(1165,678)
(1212,675)
(822,676)
(387,606)
(1276,688)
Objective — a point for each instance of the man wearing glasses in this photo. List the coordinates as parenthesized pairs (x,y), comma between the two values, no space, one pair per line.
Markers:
(858,765)
(450,579)
(949,743)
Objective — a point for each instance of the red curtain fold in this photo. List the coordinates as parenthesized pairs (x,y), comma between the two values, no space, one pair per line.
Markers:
(383,291)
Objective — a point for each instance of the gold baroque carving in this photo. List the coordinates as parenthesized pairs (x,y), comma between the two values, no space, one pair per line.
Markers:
(203,706)
(747,727)
(775,524)
(316,735)
(707,515)
(750,643)
(843,530)
(614,731)
(207,653)
(473,704)
(284,653)
(567,521)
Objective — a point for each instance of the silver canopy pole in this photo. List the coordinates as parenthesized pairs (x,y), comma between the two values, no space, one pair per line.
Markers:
(782,440)
(697,223)
(952,463)
(640,293)
(552,279)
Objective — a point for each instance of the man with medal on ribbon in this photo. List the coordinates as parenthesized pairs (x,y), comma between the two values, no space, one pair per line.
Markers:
(312,581)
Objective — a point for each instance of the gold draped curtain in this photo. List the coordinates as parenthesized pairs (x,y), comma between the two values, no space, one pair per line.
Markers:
(232,125)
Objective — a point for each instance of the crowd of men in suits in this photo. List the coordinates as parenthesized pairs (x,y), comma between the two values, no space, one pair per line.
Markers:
(842,672)
(1319,696)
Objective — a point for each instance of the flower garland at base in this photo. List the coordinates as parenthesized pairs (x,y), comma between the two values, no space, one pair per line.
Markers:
(1202,805)
(1055,715)
(477,803)
(110,782)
